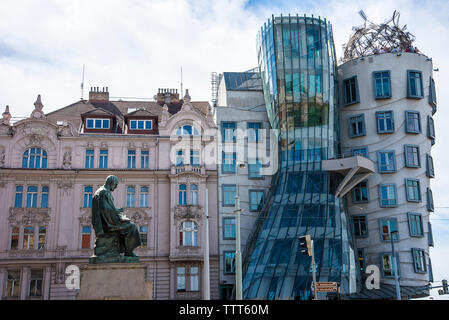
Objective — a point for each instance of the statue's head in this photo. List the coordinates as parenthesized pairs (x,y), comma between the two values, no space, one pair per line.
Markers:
(111,183)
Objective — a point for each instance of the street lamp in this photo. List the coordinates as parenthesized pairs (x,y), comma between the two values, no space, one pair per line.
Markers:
(238,254)
(396,267)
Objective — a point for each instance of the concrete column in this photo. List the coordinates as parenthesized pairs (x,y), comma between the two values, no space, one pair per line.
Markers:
(47,282)
(24,283)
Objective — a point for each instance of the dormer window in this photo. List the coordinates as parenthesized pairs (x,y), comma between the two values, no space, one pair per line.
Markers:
(187,130)
(141,124)
(98,123)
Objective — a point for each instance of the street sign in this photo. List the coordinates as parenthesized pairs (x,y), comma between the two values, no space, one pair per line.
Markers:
(326,286)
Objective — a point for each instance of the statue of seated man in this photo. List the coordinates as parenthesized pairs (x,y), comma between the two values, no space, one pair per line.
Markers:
(114,232)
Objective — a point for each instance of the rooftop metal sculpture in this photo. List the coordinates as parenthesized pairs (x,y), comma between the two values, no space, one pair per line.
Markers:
(371,38)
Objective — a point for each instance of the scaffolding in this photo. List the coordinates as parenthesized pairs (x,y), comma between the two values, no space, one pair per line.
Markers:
(214,84)
(371,38)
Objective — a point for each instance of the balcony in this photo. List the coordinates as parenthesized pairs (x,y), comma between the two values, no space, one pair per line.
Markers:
(355,169)
(187,168)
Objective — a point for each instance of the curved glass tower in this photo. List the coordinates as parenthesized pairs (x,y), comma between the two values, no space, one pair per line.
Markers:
(298,69)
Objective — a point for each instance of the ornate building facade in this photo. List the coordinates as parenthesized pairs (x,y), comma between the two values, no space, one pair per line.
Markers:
(51,164)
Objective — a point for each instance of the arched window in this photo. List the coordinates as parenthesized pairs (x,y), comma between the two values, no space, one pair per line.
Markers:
(194,194)
(188,130)
(34,158)
(188,234)
(182,192)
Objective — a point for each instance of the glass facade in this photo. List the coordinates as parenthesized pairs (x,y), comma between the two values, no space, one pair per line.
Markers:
(298,67)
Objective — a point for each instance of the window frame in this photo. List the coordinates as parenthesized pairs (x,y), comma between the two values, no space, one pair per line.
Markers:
(378,113)
(365,221)
(103,159)
(43,155)
(430,169)
(417,96)
(234,160)
(407,159)
(407,120)
(102,123)
(357,96)
(145,159)
(407,180)
(232,260)
(131,159)
(429,198)
(396,238)
(250,191)
(224,224)
(353,152)
(410,219)
(398,263)
(223,133)
(395,195)
(367,192)
(223,195)
(379,162)
(423,261)
(89,158)
(350,121)
(376,97)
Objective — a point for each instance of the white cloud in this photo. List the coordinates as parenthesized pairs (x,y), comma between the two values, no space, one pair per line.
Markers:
(136,46)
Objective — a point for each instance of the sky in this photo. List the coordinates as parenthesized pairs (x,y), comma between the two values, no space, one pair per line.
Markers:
(134,47)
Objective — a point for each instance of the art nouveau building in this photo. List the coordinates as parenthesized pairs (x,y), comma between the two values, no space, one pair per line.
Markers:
(51,164)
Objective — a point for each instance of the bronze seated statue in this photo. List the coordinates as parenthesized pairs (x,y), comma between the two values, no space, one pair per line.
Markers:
(114,232)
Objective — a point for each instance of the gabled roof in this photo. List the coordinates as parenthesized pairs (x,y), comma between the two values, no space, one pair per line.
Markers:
(98,111)
(141,112)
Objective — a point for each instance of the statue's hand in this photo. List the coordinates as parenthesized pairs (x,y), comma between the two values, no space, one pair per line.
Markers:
(121,209)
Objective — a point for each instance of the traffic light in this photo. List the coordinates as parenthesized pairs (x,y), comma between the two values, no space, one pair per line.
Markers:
(445,288)
(305,243)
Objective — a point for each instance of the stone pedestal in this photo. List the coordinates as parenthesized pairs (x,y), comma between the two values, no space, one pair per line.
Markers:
(114,281)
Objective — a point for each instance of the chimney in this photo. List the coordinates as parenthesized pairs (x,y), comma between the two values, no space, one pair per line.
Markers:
(167,96)
(95,95)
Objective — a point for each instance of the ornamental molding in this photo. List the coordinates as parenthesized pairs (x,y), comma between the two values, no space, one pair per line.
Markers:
(86,216)
(65,185)
(29,216)
(188,212)
(138,215)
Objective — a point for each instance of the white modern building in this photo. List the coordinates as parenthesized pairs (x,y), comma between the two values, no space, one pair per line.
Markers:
(243,124)
(387,104)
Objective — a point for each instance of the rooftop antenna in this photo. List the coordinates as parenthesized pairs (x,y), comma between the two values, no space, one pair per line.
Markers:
(181,83)
(82,85)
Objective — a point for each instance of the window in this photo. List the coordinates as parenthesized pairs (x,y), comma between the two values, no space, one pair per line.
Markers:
(141,124)
(85,237)
(228,194)
(15,234)
(253,131)
(255,200)
(228,228)
(28,237)
(412,122)
(289,216)
(382,84)
(413,191)
(419,260)
(98,123)
(181,279)
(389,265)
(360,192)
(415,88)
(255,169)
(430,172)
(13,284)
(195,158)
(194,278)
(44,197)
(357,126)
(228,131)
(385,122)
(412,156)
(432,95)
(36,279)
(430,206)
(360,227)
(229,261)
(431,129)
(229,160)
(187,130)
(131,159)
(144,197)
(179,158)
(363,151)
(32,197)
(386,227)
(182,194)
(188,234)
(41,239)
(87,198)
(89,159)
(194,194)
(34,158)
(429,234)
(387,195)
(18,197)
(103,159)
(351,93)
(415,224)
(144,159)
(361,256)
(130,196)
(143,230)
(386,161)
